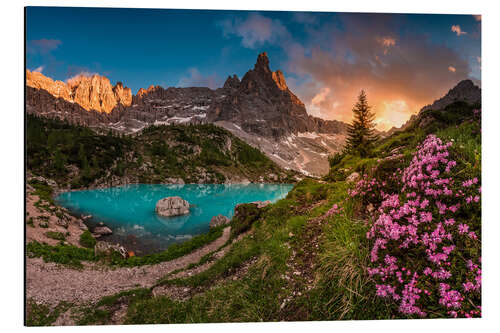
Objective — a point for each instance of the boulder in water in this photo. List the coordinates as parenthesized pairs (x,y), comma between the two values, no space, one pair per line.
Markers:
(172,206)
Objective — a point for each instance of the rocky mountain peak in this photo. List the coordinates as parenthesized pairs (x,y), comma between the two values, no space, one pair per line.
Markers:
(232,82)
(262,64)
(263,105)
(464,91)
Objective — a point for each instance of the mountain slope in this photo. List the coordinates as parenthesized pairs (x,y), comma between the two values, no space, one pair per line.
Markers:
(465,92)
(260,109)
(77,157)
(314,254)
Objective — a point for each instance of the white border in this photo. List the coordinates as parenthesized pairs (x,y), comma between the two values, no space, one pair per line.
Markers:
(11,125)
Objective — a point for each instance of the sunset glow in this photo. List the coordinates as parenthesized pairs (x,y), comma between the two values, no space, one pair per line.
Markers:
(402,61)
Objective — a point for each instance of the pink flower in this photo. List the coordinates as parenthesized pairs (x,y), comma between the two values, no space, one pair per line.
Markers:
(463,228)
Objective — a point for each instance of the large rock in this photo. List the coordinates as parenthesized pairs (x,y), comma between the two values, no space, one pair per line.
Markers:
(353,177)
(218,221)
(261,204)
(172,206)
(102,230)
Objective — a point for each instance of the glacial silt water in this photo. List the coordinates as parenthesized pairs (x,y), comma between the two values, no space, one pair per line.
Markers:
(130,210)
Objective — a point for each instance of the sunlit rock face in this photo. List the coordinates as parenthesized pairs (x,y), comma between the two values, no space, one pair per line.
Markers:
(90,92)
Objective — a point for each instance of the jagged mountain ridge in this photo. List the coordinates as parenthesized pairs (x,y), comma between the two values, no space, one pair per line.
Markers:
(259,109)
(93,92)
(464,91)
(262,104)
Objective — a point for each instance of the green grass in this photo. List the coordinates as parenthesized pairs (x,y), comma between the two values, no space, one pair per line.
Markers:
(341,288)
(42,315)
(87,240)
(73,256)
(43,191)
(257,295)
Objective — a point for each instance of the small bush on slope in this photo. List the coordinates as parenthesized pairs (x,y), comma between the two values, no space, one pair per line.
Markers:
(87,240)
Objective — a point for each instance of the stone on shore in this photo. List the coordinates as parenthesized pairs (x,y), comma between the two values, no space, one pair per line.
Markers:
(102,230)
(172,206)
(218,221)
(261,204)
(107,249)
(353,177)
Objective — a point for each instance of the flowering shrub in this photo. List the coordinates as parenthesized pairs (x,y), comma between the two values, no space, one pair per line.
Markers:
(426,236)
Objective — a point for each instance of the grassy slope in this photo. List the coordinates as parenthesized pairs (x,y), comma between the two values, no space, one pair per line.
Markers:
(78,157)
(291,279)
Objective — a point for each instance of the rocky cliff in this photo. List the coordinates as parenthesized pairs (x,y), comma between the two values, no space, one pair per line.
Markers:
(262,104)
(464,91)
(93,92)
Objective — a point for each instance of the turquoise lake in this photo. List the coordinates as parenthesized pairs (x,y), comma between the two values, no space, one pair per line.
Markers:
(130,210)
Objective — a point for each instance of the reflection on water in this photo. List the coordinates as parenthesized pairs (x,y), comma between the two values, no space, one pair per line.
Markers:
(130,210)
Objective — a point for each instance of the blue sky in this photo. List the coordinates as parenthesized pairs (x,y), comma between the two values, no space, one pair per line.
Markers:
(403,61)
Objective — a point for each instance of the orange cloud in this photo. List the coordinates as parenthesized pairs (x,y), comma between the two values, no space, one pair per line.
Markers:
(477,17)
(457,30)
(321,96)
(452,69)
(398,84)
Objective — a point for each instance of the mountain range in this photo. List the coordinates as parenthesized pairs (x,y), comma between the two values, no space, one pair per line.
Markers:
(259,109)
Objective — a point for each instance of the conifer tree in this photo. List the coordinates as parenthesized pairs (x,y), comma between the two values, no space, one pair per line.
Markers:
(361,132)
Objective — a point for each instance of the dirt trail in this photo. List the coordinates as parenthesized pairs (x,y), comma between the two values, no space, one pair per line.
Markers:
(51,283)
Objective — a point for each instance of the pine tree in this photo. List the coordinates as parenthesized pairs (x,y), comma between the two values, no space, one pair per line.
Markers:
(361,132)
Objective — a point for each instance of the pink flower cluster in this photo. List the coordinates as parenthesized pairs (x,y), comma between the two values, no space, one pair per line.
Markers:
(418,245)
(334,210)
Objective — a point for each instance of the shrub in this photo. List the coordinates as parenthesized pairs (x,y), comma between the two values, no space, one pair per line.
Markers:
(426,238)
(335,159)
(87,240)
(245,215)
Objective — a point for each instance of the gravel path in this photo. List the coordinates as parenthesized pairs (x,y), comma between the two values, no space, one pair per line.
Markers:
(51,283)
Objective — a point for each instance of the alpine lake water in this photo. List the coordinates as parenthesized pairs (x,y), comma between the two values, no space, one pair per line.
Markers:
(130,210)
